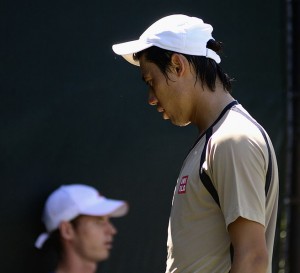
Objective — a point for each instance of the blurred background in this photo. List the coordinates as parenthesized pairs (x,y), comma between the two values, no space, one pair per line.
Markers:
(74,112)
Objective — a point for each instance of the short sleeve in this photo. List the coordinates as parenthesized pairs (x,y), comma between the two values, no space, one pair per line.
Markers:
(237,167)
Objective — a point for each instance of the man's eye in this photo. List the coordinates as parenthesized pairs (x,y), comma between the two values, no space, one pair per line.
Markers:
(100,219)
(149,83)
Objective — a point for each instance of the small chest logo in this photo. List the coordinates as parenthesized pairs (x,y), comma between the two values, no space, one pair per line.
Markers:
(182,185)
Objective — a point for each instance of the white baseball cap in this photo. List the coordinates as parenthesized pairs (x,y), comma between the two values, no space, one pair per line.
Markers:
(69,201)
(179,33)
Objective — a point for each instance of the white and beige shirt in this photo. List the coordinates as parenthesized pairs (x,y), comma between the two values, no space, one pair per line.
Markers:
(236,160)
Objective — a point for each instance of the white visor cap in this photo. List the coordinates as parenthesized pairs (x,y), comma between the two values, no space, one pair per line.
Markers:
(179,33)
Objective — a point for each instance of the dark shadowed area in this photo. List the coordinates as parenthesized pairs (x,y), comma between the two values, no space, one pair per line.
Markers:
(74,112)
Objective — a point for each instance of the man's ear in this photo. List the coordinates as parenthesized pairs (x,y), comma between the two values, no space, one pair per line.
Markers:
(66,230)
(179,64)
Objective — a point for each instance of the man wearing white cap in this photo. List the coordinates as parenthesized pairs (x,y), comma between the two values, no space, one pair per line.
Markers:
(224,208)
(77,220)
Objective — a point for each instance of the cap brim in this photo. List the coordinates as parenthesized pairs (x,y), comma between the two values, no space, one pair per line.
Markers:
(127,49)
(110,207)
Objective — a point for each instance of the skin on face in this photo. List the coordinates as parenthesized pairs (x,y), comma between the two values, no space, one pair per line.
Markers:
(170,96)
(182,97)
(93,237)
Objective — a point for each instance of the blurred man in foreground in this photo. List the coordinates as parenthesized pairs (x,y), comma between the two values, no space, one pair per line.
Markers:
(77,220)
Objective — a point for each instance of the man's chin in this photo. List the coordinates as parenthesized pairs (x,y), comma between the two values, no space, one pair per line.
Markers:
(180,124)
(176,122)
(103,256)
(184,124)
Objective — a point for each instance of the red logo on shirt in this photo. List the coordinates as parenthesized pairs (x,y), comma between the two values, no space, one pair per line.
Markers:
(182,185)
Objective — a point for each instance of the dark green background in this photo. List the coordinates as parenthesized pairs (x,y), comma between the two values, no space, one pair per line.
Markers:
(73,112)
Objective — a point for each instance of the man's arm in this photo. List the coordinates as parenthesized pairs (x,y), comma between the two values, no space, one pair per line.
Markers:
(249,243)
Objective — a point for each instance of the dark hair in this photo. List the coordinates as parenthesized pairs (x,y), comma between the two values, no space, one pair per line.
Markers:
(54,241)
(206,69)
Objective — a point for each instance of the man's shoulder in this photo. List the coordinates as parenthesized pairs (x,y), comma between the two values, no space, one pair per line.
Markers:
(238,124)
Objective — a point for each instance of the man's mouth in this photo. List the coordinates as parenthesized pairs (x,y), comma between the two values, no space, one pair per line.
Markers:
(109,245)
(160,109)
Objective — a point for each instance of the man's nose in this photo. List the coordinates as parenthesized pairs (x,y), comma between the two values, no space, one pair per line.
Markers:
(152,100)
(112,228)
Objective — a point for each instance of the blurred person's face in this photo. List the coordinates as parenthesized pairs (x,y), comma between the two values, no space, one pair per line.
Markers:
(93,237)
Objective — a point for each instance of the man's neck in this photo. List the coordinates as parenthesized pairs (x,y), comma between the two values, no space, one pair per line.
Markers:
(68,265)
(209,106)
